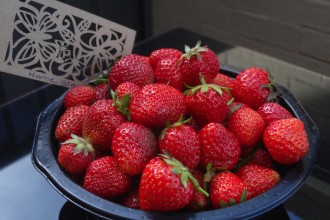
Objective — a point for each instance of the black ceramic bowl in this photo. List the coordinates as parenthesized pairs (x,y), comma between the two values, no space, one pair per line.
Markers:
(45,149)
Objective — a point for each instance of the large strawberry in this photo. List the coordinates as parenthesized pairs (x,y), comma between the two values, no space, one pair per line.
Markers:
(166,185)
(131,68)
(155,104)
(164,53)
(286,140)
(257,179)
(226,189)
(70,122)
(79,95)
(252,87)
(219,146)
(106,179)
(207,103)
(166,71)
(182,142)
(272,111)
(133,145)
(198,61)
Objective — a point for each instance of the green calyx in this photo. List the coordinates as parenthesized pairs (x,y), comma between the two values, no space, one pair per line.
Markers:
(121,103)
(82,145)
(179,169)
(273,94)
(195,51)
(175,124)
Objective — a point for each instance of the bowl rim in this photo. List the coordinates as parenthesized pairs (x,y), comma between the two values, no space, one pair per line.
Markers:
(45,162)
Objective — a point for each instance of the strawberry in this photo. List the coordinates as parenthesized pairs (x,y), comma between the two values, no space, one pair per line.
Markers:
(252,87)
(133,145)
(247,125)
(196,61)
(155,104)
(79,95)
(127,88)
(219,146)
(207,103)
(166,185)
(131,199)
(131,68)
(226,189)
(261,157)
(272,111)
(164,53)
(257,179)
(199,200)
(166,71)
(101,123)
(182,142)
(75,155)
(223,80)
(70,122)
(286,140)
(102,91)
(106,179)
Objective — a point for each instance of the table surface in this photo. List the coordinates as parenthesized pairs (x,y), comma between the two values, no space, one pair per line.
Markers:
(25,193)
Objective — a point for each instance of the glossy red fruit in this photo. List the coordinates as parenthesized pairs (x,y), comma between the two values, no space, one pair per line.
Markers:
(258,179)
(131,68)
(286,140)
(198,61)
(131,199)
(223,80)
(155,104)
(260,157)
(226,189)
(106,179)
(164,53)
(219,147)
(272,111)
(127,88)
(133,146)
(70,122)
(102,91)
(252,87)
(199,201)
(79,95)
(167,72)
(247,125)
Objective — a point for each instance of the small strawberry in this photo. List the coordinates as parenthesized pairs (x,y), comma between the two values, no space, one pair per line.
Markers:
(196,61)
(164,53)
(79,95)
(207,103)
(219,146)
(131,68)
(247,125)
(199,200)
(127,88)
(258,179)
(223,80)
(272,111)
(252,87)
(75,155)
(166,185)
(167,72)
(182,142)
(226,189)
(70,122)
(131,199)
(155,104)
(286,140)
(106,179)
(260,157)
(102,91)
(133,145)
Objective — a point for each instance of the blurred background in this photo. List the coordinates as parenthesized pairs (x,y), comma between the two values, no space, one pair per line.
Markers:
(290,38)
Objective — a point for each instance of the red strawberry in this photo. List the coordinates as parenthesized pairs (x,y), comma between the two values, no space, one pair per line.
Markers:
(207,103)
(106,179)
(70,122)
(155,104)
(261,157)
(133,145)
(219,146)
(223,80)
(286,140)
(102,91)
(127,88)
(75,155)
(258,179)
(226,189)
(79,95)
(196,61)
(131,199)
(182,142)
(272,111)
(131,68)
(199,200)
(252,87)
(166,185)
(167,72)
(164,53)
(247,125)
(101,123)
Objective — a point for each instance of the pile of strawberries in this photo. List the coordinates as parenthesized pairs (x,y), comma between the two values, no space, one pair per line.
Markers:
(168,132)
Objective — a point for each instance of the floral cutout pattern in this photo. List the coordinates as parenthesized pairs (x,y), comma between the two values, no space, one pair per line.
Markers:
(61,46)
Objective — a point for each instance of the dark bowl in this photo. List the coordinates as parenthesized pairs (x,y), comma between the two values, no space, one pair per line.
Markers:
(45,149)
